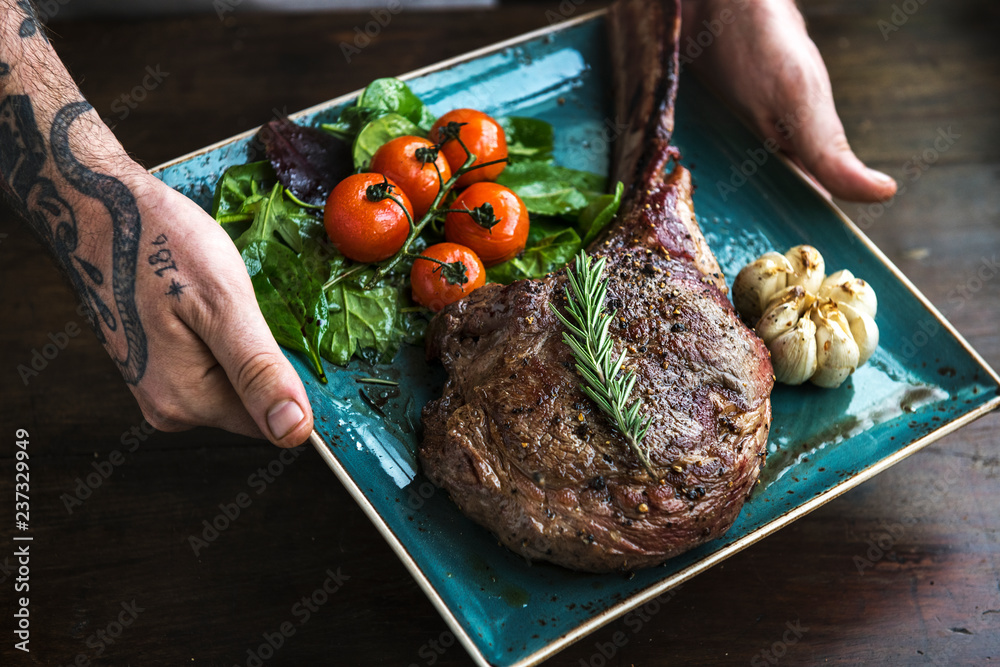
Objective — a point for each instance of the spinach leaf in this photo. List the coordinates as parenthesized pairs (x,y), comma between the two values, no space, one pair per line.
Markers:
(290,298)
(378,132)
(239,193)
(350,121)
(528,139)
(361,319)
(320,258)
(251,206)
(599,213)
(551,245)
(394,96)
(274,214)
(239,184)
(548,189)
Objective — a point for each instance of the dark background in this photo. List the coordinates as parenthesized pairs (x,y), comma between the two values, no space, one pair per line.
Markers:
(932,597)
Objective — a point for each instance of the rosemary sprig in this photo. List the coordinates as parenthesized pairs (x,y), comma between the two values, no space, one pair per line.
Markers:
(588,337)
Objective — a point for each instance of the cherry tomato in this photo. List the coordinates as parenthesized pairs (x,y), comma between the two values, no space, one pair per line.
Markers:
(482,135)
(496,226)
(435,286)
(404,163)
(363,225)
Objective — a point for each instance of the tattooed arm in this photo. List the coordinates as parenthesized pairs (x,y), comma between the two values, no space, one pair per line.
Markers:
(167,293)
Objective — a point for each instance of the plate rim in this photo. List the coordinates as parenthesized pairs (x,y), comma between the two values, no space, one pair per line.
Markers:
(659,588)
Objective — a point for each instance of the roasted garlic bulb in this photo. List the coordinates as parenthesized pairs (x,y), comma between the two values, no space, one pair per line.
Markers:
(818,328)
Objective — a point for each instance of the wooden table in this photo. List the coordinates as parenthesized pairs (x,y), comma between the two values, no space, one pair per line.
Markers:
(931,597)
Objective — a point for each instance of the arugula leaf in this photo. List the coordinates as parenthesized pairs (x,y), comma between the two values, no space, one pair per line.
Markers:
(378,132)
(394,96)
(551,245)
(528,139)
(548,189)
(291,298)
(599,213)
(361,319)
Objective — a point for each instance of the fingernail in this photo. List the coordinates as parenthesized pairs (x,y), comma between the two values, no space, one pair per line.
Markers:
(884,179)
(283,418)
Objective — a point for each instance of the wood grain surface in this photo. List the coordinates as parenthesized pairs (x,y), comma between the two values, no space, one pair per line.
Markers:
(928,526)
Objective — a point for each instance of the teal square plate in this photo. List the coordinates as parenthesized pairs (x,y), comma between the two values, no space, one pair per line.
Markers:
(924,380)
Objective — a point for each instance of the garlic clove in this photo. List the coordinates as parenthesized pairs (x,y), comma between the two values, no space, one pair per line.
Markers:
(808,267)
(850,291)
(758,282)
(793,353)
(841,276)
(785,309)
(836,352)
(863,330)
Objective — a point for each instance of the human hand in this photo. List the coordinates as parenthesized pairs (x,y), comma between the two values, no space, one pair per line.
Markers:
(211,359)
(760,59)
(167,292)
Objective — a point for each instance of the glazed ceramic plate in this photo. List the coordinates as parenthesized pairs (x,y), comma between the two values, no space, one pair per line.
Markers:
(923,382)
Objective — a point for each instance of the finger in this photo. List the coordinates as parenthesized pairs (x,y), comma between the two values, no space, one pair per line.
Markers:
(812,179)
(266,384)
(212,401)
(222,407)
(822,146)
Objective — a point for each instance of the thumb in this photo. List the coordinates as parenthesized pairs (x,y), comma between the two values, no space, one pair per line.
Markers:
(821,144)
(265,381)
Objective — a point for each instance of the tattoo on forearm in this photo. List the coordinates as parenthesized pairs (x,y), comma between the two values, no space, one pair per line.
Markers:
(127,229)
(4,69)
(30,25)
(22,157)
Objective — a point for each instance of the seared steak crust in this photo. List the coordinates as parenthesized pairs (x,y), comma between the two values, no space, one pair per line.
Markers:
(525,453)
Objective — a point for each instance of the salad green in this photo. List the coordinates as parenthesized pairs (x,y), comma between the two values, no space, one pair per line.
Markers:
(321,304)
